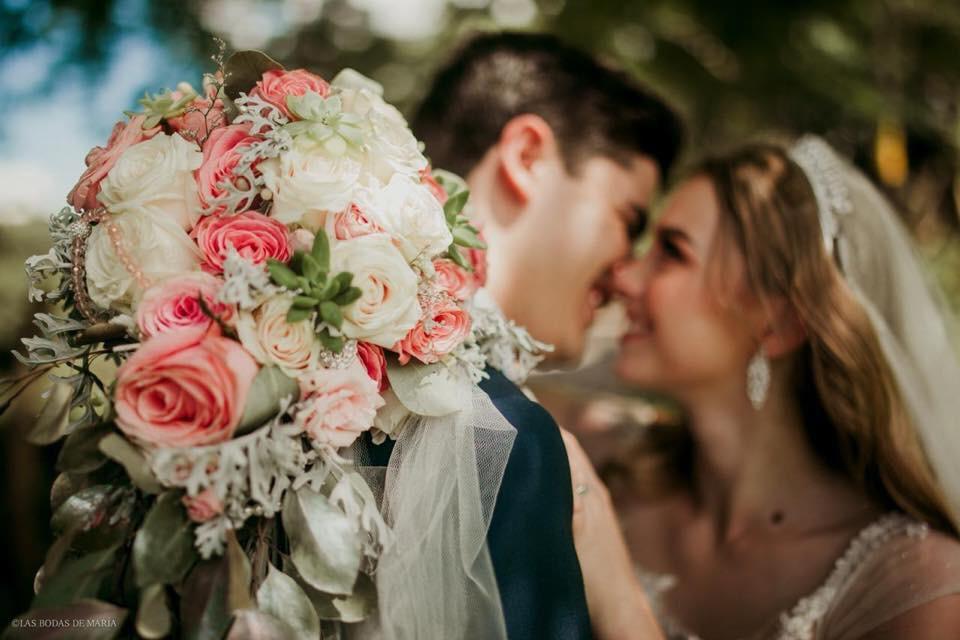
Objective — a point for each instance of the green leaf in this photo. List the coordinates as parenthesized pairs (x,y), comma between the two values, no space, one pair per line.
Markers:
(454,254)
(298,315)
(281,597)
(282,275)
(359,604)
(118,448)
(455,204)
(163,549)
(330,313)
(213,591)
(331,342)
(80,452)
(269,387)
(349,296)
(92,575)
(244,69)
(321,250)
(304,302)
(85,619)
(153,614)
(465,237)
(311,268)
(323,545)
(251,623)
(82,509)
(54,418)
(451,182)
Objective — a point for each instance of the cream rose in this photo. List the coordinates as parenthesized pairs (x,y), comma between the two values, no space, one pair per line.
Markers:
(157,247)
(267,335)
(309,180)
(409,212)
(156,176)
(388,307)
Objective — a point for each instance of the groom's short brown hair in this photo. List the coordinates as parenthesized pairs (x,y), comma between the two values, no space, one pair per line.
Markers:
(593,109)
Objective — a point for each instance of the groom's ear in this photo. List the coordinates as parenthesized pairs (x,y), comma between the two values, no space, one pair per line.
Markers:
(526,146)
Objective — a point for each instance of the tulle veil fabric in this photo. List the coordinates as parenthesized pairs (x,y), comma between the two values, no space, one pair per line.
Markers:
(436,578)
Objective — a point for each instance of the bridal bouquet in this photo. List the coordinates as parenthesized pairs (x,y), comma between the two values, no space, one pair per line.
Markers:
(247,279)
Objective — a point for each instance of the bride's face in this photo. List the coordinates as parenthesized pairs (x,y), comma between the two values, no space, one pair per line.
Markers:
(689,316)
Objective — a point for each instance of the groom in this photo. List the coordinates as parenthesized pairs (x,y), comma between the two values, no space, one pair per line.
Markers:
(562,156)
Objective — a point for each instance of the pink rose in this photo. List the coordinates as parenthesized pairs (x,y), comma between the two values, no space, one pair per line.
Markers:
(183,388)
(373,360)
(443,328)
(255,237)
(426,178)
(454,279)
(339,404)
(101,159)
(221,155)
(277,84)
(352,223)
(203,506)
(174,303)
(200,119)
(478,260)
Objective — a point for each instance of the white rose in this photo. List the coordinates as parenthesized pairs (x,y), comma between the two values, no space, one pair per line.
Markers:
(269,338)
(156,176)
(411,214)
(157,247)
(303,180)
(388,307)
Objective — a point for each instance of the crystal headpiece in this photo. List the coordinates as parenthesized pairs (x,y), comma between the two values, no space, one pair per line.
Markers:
(825,175)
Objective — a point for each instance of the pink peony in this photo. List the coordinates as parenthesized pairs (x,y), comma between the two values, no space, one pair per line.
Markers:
(426,178)
(444,327)
(338,405)
(372,358)
(221,154)
(183,388)
(255,237)
(203,506)
(454,279)
(277,84)
(352,223)
(101,159)
(174,303)
(200,119)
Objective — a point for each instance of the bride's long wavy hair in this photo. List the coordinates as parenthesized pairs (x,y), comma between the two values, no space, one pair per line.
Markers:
(854,414)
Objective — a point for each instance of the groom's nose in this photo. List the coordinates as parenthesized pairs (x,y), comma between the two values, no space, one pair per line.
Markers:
(627,278)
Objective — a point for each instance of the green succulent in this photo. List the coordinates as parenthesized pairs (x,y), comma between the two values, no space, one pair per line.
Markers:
(324,122)
(164,105)
(464,234)
(320,294)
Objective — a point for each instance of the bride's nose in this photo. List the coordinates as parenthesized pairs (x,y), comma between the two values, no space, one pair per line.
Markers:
(628,278)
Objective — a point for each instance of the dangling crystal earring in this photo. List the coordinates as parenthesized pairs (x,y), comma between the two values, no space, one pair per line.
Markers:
(758,378)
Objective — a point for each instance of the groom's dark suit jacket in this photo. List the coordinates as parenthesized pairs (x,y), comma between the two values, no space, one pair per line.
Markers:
(530,536)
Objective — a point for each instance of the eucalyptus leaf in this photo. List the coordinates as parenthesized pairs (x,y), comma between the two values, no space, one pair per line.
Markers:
(281,597)
(163,550)
(85,619)
(429,389)
(153,614)
(251,623)
(361,603)
(116,447)
(92,575)
(64,486)
(81,509)
(323,544)
(54,418)
(244,69)
(269,387)
(213,591)
(80,452)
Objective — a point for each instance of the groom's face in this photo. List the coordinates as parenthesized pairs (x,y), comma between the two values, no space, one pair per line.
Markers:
(576,227)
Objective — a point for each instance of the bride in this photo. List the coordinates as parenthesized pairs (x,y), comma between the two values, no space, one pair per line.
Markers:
(814,490)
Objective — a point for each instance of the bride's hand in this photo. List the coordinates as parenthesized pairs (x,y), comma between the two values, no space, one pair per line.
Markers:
(615,598)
